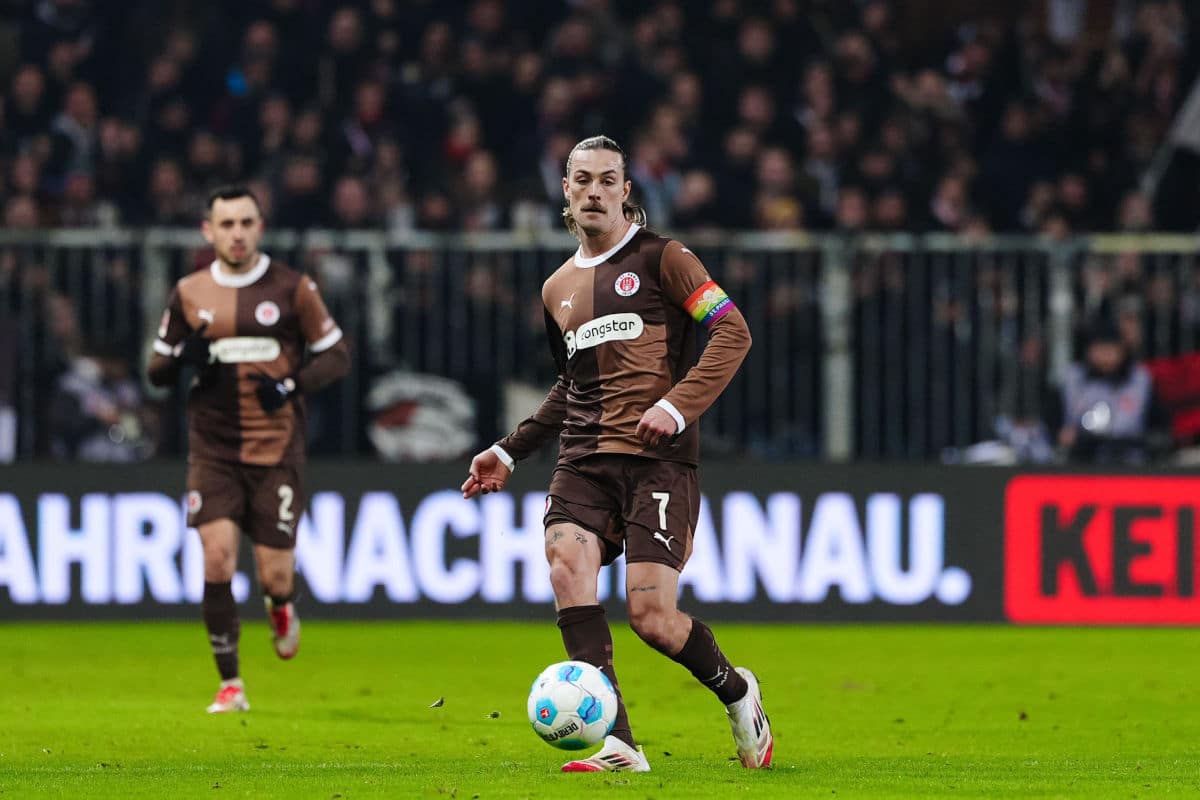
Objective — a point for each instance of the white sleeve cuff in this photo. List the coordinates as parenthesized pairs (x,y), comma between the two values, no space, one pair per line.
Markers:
(162,348)
(666,405)
(504,457)
(327,341)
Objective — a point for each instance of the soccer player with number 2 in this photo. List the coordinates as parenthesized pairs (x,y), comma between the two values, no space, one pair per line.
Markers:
(621,318)
(242,326)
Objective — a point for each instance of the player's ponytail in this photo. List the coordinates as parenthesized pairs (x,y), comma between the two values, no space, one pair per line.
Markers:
(632,211)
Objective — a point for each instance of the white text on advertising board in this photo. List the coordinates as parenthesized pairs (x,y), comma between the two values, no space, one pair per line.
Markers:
(134,547)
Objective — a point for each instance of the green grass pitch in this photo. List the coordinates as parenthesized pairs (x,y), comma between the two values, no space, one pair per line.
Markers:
(116,710)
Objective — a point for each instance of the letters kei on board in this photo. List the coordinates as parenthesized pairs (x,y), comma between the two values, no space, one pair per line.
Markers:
(1114,549)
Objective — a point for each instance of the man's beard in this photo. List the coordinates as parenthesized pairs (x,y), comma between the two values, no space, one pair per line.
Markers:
(233,261)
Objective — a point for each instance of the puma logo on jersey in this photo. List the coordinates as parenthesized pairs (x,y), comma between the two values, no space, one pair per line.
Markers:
(568,303)
(666,540)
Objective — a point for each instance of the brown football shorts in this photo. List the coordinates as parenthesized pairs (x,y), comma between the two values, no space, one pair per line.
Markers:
(645,507)
(264,501)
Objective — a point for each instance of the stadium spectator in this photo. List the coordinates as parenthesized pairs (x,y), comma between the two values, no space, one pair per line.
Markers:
(300,203)
(97,413)
(481,205)
(853,210)
(784,115)
(165,195)
(119,172)
(656,176)
(73,132)
(79,207)
(351,206)
(27,112)
(696,202)
(889,211)
(843,90)
(949,208)
(1110,415)
(21,212)
(1136,214)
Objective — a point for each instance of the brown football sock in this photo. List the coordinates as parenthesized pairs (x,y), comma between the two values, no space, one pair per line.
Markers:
(221,619)
(704,659)
(281,600)
(587,638)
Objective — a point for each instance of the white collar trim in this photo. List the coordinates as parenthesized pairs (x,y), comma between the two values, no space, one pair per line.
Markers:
(586,263)
(242,279)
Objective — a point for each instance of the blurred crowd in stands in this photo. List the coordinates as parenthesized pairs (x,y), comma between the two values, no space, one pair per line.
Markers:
(960,116)
(458,114)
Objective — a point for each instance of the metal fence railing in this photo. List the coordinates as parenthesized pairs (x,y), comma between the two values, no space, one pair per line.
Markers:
(876,347)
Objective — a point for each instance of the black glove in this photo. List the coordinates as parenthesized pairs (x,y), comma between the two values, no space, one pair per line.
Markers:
(194,350)
(273,393)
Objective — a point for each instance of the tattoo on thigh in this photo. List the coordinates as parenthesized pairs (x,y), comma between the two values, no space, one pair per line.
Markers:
(581,538)
(649,588)
(554,536)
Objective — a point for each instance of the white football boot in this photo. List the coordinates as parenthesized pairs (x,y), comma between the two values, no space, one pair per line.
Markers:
(751,728)
(615,756)
(230,697)
(285,628)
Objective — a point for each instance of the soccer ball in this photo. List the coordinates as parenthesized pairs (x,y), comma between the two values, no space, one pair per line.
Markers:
(572,705)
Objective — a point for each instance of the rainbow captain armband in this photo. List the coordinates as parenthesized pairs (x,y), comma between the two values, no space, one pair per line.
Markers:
(708,304)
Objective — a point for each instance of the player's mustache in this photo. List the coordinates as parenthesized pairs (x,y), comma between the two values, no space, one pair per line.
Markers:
(593,208)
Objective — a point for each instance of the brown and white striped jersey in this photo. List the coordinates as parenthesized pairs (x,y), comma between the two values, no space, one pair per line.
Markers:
(622,327)
(259,322)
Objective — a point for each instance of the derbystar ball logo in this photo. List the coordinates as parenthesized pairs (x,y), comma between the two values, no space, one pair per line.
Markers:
(1118,550)
(544,713)
(565,730)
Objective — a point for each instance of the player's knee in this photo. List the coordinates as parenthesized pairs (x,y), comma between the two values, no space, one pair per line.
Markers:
(569,574)
(219,563)
(564,576)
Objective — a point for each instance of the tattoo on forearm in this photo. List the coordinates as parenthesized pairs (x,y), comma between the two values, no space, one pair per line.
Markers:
(649,588)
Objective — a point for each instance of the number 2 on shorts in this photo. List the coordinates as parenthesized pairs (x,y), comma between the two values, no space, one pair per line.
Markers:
(663,498)
(286,496)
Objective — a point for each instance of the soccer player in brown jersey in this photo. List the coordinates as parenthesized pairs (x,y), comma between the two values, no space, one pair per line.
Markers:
(243,325)
(621,318)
